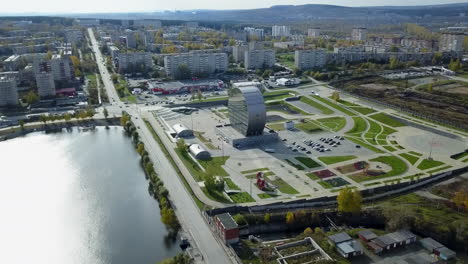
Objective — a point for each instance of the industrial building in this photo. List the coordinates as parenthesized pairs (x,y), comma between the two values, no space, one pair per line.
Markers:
(227,228)
(199,152)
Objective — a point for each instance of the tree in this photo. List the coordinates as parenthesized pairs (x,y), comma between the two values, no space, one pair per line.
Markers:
(290,218)
(335,96)
(267,218)
(181,258)
(43,119)
(199,95)
(169,218)
(124,119)
(105,112)
(180,144)
(308,231)
(31,97)
(394,63)
(349,200)
(115,78)
(429,88)
(140,148)
(240,219)
(21,123)
(460,198)
(67,117)
(183,72)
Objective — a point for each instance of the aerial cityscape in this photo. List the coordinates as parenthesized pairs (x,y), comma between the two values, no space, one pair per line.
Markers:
(268,132)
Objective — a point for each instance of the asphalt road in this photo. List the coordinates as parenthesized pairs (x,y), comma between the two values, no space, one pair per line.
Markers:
(186,209)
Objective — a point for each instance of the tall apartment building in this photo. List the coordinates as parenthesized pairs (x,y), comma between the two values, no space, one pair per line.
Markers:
(256,45)
(8,91)
(309,59)
(45,84)
(359,34)
(280,31)
(61,67)
(133,61)
(451,41)
(238,52)
(204,63)
(257,59)
(313,32)
(131,39)
(255,33)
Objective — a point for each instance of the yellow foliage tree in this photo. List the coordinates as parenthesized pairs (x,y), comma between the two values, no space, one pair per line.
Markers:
(349,201)
(336,96)
(308,231)
(290,218)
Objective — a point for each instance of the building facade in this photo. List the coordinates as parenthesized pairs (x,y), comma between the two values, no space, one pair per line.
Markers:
(8,91)
(359,34)
(280,31)
(238,52)
(309,59)
(258,59)
(255,33)
(313,32)
(196,62)
(247,112)
(130,62)
(45,84)
(451,42)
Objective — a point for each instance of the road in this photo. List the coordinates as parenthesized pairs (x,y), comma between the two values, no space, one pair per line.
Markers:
(186,209)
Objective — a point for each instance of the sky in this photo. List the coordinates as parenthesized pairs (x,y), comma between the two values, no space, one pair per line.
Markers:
(123,6)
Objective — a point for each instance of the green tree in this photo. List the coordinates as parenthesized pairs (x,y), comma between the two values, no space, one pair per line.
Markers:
(394,63)
(31,97)
(115,78)
(181,258)
(67,117)
(105,112)
(183,72)
(21,123)
(169,218)
(199,95)
(266,218)
(349,200)
(336,96)
(43,119)
(308,231)
(290,218)
(140,148)
(181,144)
(124,119)
(429,88)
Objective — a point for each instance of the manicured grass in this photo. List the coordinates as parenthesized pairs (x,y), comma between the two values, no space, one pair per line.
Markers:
(254,170)
(266,195)
(390,148)
(242,197)
(325,184)
(398,167)
(410,158)
(325,110)
(277,126)
(297,166)
(212,99)
(460,155)
(213,166)
(427,164)
(195,170)
(333,123)
(374,129)
(310,163)
(387,131)
(343,102)
(216,196)
(284,187)
(335,159)
(331,104)
(308,126)
(359,127)
(313,176)
(387,120)
(286,59)
(286,105)
(364,110)
(230,184)
(364,144)
(205,141)
(439,169)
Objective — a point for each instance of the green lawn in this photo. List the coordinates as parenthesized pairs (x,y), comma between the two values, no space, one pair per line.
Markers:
(460,155)
(286,59)
(410,158)
(331,104)
(374,129)
(364,110)
(216,196)
(277,95)
(297,166)
(364,144)
(310,163)
(313,176)
(335,124)
(398,167)
(325,184)
(277,126)
(335,159)
(266,195)
(284,187)
(427,164)
(308,126)
(387,120)
(325,110)
(230,184)
(255,170)
(390,148)
(286,105)
(439,169)
(242,197)
(212,166)
(359,127)
(343,102)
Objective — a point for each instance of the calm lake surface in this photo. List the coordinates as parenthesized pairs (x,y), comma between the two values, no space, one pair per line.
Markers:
(77,197)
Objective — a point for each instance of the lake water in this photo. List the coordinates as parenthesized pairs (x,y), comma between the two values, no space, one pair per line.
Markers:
(77,197)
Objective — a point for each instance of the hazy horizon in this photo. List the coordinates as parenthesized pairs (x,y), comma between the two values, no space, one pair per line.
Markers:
(50,7)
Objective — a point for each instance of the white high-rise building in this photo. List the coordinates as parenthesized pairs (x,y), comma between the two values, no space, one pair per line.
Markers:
(45,84)
(255,33)
(134,61)
(196,62)
(280,31)
(451,41)
(359,34)
(8,91)
(258,59)
(309,59)
(313,32)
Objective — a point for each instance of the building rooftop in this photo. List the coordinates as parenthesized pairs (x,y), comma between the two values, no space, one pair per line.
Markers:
(340,237)
(367,234)
(384,240)
(227,221)
(430,243)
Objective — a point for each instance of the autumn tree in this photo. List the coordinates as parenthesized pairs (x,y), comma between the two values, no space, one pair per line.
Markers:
(124,119)
(169,218)
(349,200)
(140,148)
(266,218)
(308,231)
(335,96)
(290,218)
(460,199)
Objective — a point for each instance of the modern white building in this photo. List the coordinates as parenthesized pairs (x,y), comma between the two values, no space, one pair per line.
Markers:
(182,131)
(8,91)
(280,31)
(255,33)
(309,59)
(451,41)
(45,84)
(258,59)
(313,32)
(197,63)
(199,152)
(359,33)
(134,61)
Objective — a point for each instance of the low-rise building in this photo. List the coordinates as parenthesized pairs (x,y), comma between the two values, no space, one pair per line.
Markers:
(227,228)
(199,152)
(185,86)
(259,59)
(345,245)
(8,91)
(437,248)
